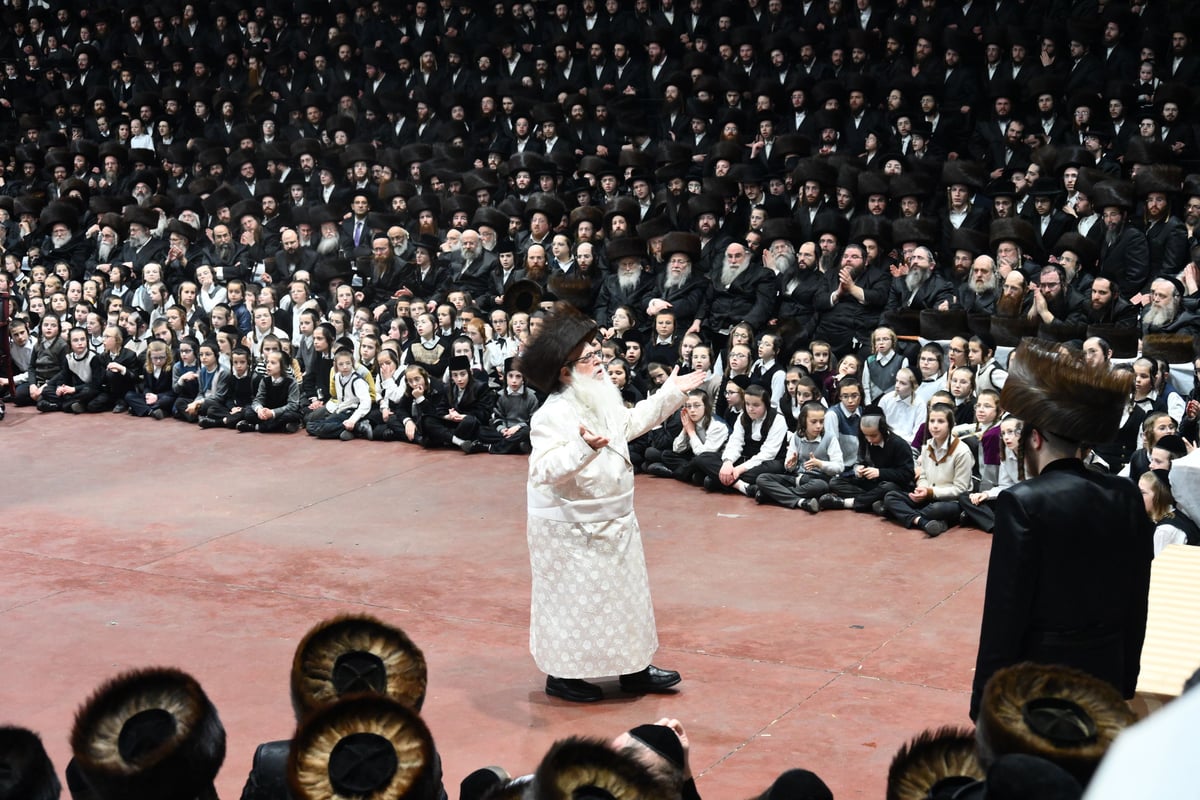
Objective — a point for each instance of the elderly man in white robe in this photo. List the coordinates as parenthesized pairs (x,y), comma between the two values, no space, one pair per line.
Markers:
(591,613)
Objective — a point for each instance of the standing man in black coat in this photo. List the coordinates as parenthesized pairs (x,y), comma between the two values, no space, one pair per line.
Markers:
(1069,573)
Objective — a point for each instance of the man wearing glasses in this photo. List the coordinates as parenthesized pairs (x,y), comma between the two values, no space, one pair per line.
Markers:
(591,613)
(1052,301)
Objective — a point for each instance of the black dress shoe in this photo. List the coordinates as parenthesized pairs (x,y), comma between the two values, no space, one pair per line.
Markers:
(659,470)
(650,680)
(711,484)
(573,689)
(120,408)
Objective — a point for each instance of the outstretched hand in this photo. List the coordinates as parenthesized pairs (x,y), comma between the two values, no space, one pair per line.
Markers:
(685,383)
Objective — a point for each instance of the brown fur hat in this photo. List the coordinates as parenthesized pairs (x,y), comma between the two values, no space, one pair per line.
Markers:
(933,758)
(579,766)
(1058,713)
(1053,390)
(564,330)
(356,653)
(1174,348)
(364,746)
(149,734)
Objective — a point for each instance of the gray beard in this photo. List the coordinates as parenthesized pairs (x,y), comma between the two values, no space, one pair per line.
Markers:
(143,200)
(628,283)
(728,273)
(327,246)
(599,400)
(785,265)
(674,282)
(1156,317)
(914,279)
(59,241)
(982,287)
(1111,237)
(104,251)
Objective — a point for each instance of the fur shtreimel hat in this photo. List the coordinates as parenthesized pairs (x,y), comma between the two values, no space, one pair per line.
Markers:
(1055,391)
(149,734)
(933,762)
(356,653)
(563,330)
(588,768)
(364,746)
(1058,713)
(26,772)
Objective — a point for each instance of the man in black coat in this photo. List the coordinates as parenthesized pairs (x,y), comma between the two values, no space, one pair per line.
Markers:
(1069,572)
(740,291)
(680,290)
(851,302)
(630,285)
(922,288)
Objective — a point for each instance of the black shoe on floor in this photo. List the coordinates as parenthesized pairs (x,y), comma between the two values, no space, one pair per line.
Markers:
(573,690)
(659,470)
(158,413)
(810,504)
(650,680)
(877,508)
(934,528)
(711,484)
(830,502)
(209,422)
(120,408)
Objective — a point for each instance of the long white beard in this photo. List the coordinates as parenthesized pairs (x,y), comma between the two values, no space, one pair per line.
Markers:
(328,245)
(599,399)
(104,251)
(728,273)
(1155,317)
(59,241)
(628,283)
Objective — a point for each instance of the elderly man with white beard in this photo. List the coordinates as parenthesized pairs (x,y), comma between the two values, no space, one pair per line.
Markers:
(142,246)
(922,288)
(62,244)
(591,614)
(630,284)
(680,290)
(981,290)
(740,291)
(798,281)
(1165,313)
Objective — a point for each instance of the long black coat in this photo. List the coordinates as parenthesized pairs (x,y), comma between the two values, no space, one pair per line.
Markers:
(1068,577)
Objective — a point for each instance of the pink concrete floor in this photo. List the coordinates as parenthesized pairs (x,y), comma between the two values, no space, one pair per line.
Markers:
(818,642)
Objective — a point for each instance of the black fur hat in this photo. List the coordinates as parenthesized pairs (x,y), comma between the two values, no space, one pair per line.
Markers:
(564,330)
(356,653)
(364,746)
(26,772)
(149,734)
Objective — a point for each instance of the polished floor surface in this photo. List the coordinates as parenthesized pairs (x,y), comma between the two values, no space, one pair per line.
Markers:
(818,642)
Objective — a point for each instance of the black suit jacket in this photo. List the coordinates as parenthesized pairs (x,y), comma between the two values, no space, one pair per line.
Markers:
(1068,577)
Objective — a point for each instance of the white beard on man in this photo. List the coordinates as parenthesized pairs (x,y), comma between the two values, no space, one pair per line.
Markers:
(599,398)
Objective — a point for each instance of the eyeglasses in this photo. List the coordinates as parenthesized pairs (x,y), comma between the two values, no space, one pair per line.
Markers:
(186,350)
(160,358)
(590,355)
